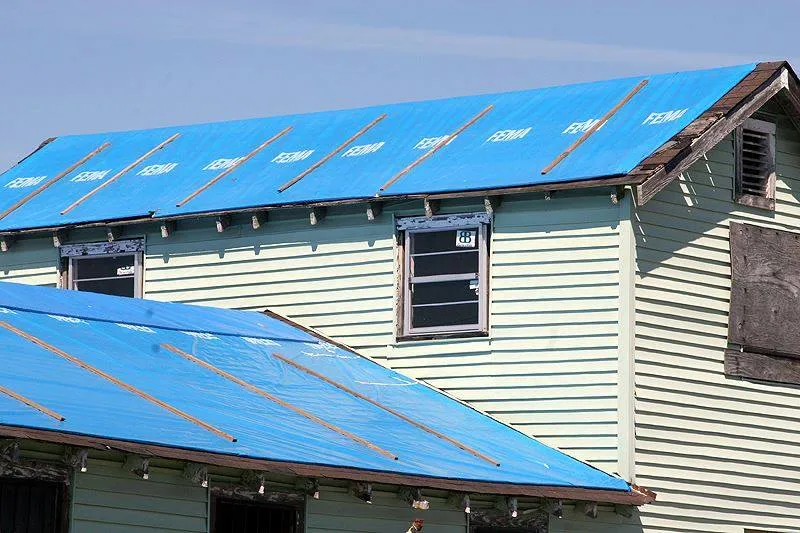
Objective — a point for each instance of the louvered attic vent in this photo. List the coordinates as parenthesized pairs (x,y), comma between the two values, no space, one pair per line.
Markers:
(755,164)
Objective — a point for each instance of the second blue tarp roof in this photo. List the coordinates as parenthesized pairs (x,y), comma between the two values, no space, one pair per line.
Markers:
(305,400)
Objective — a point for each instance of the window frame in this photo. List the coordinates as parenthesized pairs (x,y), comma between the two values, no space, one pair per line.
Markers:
(409,226)
(754,200)
(73,254)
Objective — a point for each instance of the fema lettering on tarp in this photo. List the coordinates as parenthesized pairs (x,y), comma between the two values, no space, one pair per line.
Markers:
(581,127)
(222,163)
(426,143)
(503,136)
(664,116)
(157,170)
(90,175)
(363,149)
(19,183)
(292,157)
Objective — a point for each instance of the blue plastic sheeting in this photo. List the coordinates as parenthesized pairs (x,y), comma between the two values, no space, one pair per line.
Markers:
(507,147)
(99,331)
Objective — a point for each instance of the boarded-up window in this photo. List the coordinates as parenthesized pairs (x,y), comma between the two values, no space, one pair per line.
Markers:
(28,506)
(238,516)
(765,304)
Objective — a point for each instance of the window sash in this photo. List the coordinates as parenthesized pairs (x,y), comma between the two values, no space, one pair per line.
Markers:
(482,276)
(73,268)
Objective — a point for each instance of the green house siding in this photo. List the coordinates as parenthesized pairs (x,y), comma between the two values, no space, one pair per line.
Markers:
(549,365)
(338,511)
(721,453)
(109,499)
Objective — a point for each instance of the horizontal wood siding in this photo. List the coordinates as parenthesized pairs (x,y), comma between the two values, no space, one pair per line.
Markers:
(721,453)
(338,511)
(549,366)
(31,261)
(109,499)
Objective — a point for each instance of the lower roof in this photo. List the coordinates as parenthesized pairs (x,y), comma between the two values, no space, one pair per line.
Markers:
(243,386)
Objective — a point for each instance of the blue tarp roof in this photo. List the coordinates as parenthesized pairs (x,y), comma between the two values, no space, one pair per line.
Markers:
(507,147)
(126,339)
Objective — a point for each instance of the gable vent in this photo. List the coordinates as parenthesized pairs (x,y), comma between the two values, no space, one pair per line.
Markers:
(755,162)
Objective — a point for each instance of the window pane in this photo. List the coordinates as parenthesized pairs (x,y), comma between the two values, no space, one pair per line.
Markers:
(439,241)
(115,287)
(445,315)
(453,263)
(445,291)
(103,267)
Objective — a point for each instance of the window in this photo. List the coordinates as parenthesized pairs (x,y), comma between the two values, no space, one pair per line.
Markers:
(764,319)
(109,268)
(755,164)
(238,516)
(32,506)
(444,285)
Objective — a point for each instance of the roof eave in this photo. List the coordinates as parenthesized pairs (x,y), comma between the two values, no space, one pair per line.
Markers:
(636,496)
(766,81)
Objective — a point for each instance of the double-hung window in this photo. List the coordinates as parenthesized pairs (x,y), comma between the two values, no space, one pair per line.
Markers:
(444,282)
(109,268)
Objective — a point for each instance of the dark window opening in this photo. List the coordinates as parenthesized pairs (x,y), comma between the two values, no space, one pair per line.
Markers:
(234,516)
(29,506)
(106,268)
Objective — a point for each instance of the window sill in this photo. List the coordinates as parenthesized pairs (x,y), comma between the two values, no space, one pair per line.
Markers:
(761,367)
(439,336)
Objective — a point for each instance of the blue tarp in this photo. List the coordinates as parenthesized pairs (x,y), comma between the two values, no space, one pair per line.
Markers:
(507,147)
(125,338)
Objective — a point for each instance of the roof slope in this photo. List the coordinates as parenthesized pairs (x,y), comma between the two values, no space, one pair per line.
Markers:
(284,395)
(495,141)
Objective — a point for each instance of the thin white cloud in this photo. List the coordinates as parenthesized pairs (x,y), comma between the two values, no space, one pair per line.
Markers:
(218,22)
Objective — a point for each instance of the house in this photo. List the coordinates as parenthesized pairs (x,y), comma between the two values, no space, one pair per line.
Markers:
(123,389)
(607,266)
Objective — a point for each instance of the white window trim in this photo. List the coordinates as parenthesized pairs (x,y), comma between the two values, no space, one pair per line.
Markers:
(412,225)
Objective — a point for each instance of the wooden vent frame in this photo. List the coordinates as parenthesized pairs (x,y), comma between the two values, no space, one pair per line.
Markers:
(754,143)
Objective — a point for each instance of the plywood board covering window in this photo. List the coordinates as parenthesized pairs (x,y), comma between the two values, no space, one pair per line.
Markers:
(755,164)
(444,275)
(765,304)
(107,268)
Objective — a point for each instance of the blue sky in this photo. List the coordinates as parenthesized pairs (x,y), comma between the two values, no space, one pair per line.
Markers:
(99,65)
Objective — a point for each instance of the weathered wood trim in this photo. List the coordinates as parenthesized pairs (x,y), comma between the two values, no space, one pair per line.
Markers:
(535,521)
(38,470)
(685,157)
(633,497)
(127,246)
(241,492)
(442,221)
(762,367)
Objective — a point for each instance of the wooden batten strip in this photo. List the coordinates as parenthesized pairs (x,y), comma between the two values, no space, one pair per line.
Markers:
(112,379)
(119,174)
(55,178)
(437,147)
(389,410)
(31,403)
(594,128)
(338,149)
(236,165)
(252,388)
